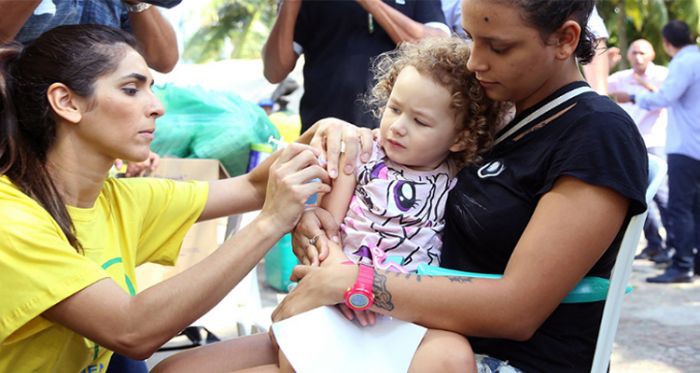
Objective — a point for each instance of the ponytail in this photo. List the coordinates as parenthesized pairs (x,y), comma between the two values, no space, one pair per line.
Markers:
(8,116)
(19,160)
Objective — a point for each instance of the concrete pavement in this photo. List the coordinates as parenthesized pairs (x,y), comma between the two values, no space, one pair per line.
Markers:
(659,327)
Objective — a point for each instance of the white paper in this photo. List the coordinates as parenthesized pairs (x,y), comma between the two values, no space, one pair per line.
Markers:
(323,340)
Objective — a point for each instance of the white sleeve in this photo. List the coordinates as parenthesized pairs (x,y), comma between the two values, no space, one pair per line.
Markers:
(297,48)
(440,26)
(45,7)
(453,14)
(597,26)
(614,81)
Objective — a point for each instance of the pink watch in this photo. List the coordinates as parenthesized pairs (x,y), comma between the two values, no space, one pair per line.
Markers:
(360,296)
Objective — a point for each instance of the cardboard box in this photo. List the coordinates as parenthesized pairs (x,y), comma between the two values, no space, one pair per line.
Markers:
(202,238)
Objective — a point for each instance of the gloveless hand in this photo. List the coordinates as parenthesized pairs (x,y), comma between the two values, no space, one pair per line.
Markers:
(318,286)
(289,185)
(310,236)
(330,133)
(620,97)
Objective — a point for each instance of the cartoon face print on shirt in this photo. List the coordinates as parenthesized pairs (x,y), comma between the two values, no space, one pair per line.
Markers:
(409,198)
(400,212)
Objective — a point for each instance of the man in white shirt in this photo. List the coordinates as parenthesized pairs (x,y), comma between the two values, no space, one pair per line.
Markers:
(680,93)
(645,76)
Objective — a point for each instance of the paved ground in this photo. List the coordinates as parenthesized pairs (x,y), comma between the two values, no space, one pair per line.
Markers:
(659,328)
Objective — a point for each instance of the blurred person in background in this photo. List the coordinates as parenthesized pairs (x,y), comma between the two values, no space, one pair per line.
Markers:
(25,20)
(680,93)
(645,76)
(338,39)
(452,9)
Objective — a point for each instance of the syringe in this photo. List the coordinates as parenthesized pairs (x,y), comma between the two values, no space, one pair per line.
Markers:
(280,144)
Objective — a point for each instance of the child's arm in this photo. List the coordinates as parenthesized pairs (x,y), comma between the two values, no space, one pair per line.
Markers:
(336,202)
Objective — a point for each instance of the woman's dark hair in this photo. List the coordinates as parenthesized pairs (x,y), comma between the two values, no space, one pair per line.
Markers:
(677,33)
(76,56)
(548,15)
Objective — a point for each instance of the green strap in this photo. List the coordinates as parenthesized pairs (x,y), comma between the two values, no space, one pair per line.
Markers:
(590,289)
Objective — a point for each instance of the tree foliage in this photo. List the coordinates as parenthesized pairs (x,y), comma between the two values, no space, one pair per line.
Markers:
(628,20)
(231,29)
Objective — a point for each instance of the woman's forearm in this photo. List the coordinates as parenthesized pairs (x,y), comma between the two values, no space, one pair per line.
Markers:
(137,326)
(14,15)
(552,255)
(448,303)
(435,302)
(157,38)
(397,25)
(238,194)
(200,287)
(278,54)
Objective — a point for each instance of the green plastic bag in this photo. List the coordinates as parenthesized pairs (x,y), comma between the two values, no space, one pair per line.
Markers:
(205,123)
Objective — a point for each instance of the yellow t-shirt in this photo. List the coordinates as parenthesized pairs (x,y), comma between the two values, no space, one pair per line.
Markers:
(133,221)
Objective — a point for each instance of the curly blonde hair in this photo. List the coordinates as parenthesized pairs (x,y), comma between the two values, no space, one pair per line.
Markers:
(445,61)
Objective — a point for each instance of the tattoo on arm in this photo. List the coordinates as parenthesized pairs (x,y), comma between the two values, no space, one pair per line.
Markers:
(382,296)
(407,275)
(462,279)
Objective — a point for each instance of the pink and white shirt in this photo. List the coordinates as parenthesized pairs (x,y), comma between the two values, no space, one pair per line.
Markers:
(396,211)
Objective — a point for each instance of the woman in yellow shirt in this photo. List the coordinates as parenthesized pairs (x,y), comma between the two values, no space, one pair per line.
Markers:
(71,103)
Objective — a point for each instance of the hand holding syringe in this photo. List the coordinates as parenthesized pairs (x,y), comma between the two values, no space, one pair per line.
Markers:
(279,144)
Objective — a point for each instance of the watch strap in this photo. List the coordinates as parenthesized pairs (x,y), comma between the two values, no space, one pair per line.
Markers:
(361,289)
(365,277)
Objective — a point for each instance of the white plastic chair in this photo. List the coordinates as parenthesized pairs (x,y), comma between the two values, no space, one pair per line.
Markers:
(621,272)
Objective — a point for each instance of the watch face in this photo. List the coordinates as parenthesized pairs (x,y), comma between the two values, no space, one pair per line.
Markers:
(358,300)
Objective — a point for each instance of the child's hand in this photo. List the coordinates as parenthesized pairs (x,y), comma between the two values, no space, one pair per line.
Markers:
(335,255)
(363,317)
(145,168)
(315,225)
